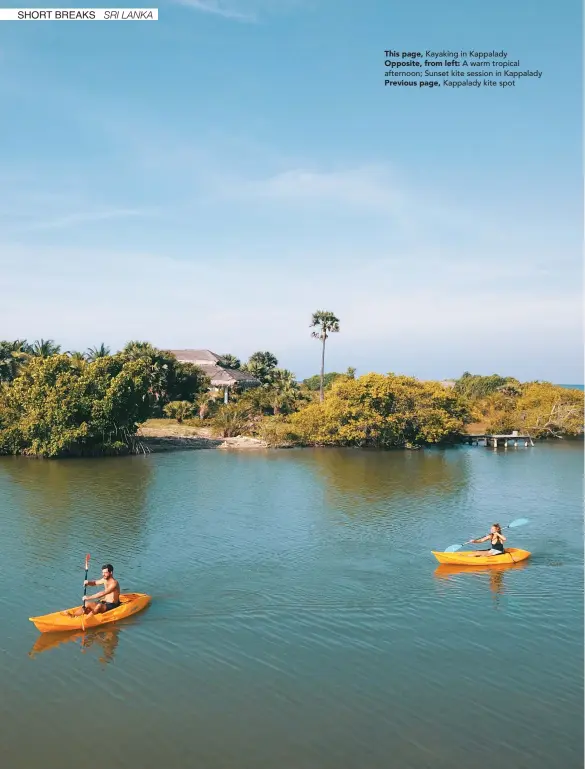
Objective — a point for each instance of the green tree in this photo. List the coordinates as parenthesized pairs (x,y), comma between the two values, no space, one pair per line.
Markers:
(43,348)
(545,410)
(179,410)
(261,365)
(231,420)
(206,402)
(93,353)
(13,355)
(170,379)
(229,361)
(77,358)
(327,324)
(313,383)
(185,382)
(54,409)
(283,391)
(476,386)
(382,411)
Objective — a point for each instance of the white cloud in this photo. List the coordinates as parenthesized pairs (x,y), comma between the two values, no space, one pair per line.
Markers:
(29,202)
(218,8)
(241,10)
(363,188)
(80,217)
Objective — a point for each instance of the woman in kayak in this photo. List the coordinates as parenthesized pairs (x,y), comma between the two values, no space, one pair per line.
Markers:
(496,539)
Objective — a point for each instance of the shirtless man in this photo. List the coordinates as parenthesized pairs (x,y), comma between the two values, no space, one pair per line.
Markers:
(111,589)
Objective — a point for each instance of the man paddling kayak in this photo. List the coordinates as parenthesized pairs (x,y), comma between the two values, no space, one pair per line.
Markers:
(496,539)
(111,589)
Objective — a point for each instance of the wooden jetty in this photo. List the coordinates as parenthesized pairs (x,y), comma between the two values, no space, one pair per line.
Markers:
(496,441)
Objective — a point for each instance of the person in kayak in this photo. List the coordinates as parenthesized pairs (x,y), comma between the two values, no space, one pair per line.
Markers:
(111,590)
(496,540)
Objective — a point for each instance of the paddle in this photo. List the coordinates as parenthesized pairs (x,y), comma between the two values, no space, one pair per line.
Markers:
(513,525)
(85,578)
(84,591)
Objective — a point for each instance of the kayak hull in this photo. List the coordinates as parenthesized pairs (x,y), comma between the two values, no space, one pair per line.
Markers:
(446,570)
(131,603)
(466,557)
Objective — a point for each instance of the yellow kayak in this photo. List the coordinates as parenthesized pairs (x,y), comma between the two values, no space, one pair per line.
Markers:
(465,557)
(446,570)
(65,620)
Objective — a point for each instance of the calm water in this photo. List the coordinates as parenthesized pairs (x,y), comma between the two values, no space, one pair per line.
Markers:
(299,620)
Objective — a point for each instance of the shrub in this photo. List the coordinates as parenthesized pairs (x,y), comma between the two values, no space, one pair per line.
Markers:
(179,410)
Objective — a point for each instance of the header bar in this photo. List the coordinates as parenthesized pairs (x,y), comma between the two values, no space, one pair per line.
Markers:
(78,14)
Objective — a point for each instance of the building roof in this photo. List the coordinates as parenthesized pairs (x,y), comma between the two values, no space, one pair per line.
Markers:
(226,377)
(207,362)
(196,356)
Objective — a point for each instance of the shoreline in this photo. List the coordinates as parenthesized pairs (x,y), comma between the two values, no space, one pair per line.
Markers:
(176,437)
(159,436)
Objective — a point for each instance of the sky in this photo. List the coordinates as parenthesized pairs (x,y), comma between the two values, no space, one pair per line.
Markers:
(211,179)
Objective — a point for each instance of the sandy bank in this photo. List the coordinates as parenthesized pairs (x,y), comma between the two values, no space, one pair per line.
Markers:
(174,437)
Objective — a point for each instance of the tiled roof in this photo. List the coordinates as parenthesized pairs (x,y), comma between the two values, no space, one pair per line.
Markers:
(196,356)
(207,362)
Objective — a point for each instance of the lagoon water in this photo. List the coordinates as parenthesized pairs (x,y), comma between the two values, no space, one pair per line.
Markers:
(299,620)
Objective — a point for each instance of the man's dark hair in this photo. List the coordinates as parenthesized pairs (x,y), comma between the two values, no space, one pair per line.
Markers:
(109,567)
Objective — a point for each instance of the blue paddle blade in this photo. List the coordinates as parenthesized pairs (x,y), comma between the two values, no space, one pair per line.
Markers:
(518,522)
(453,548)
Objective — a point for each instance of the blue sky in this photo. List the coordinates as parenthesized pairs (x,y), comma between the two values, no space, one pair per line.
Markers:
(211,179)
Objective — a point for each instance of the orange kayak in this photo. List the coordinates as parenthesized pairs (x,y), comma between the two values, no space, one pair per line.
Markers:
(465,557)
(446,570)
(130,603)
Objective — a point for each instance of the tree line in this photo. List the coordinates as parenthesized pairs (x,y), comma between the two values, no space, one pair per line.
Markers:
(57,404)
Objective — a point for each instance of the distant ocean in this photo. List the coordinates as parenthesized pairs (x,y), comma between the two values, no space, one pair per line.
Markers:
(572,387)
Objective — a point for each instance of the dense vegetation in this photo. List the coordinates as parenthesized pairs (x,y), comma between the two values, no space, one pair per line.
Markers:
(74,404)
(541,409)
(57,404)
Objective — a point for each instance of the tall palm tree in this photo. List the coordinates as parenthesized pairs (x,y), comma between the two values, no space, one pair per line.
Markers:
(93,353)
(327,324)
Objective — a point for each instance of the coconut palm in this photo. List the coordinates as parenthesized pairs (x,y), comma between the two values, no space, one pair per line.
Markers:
(327,324)
(44,348)
(93,353)
(229,361)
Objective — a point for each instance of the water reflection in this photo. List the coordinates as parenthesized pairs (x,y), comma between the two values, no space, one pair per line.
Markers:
(105,639)
(371,475)
(493,575)
(107,497)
